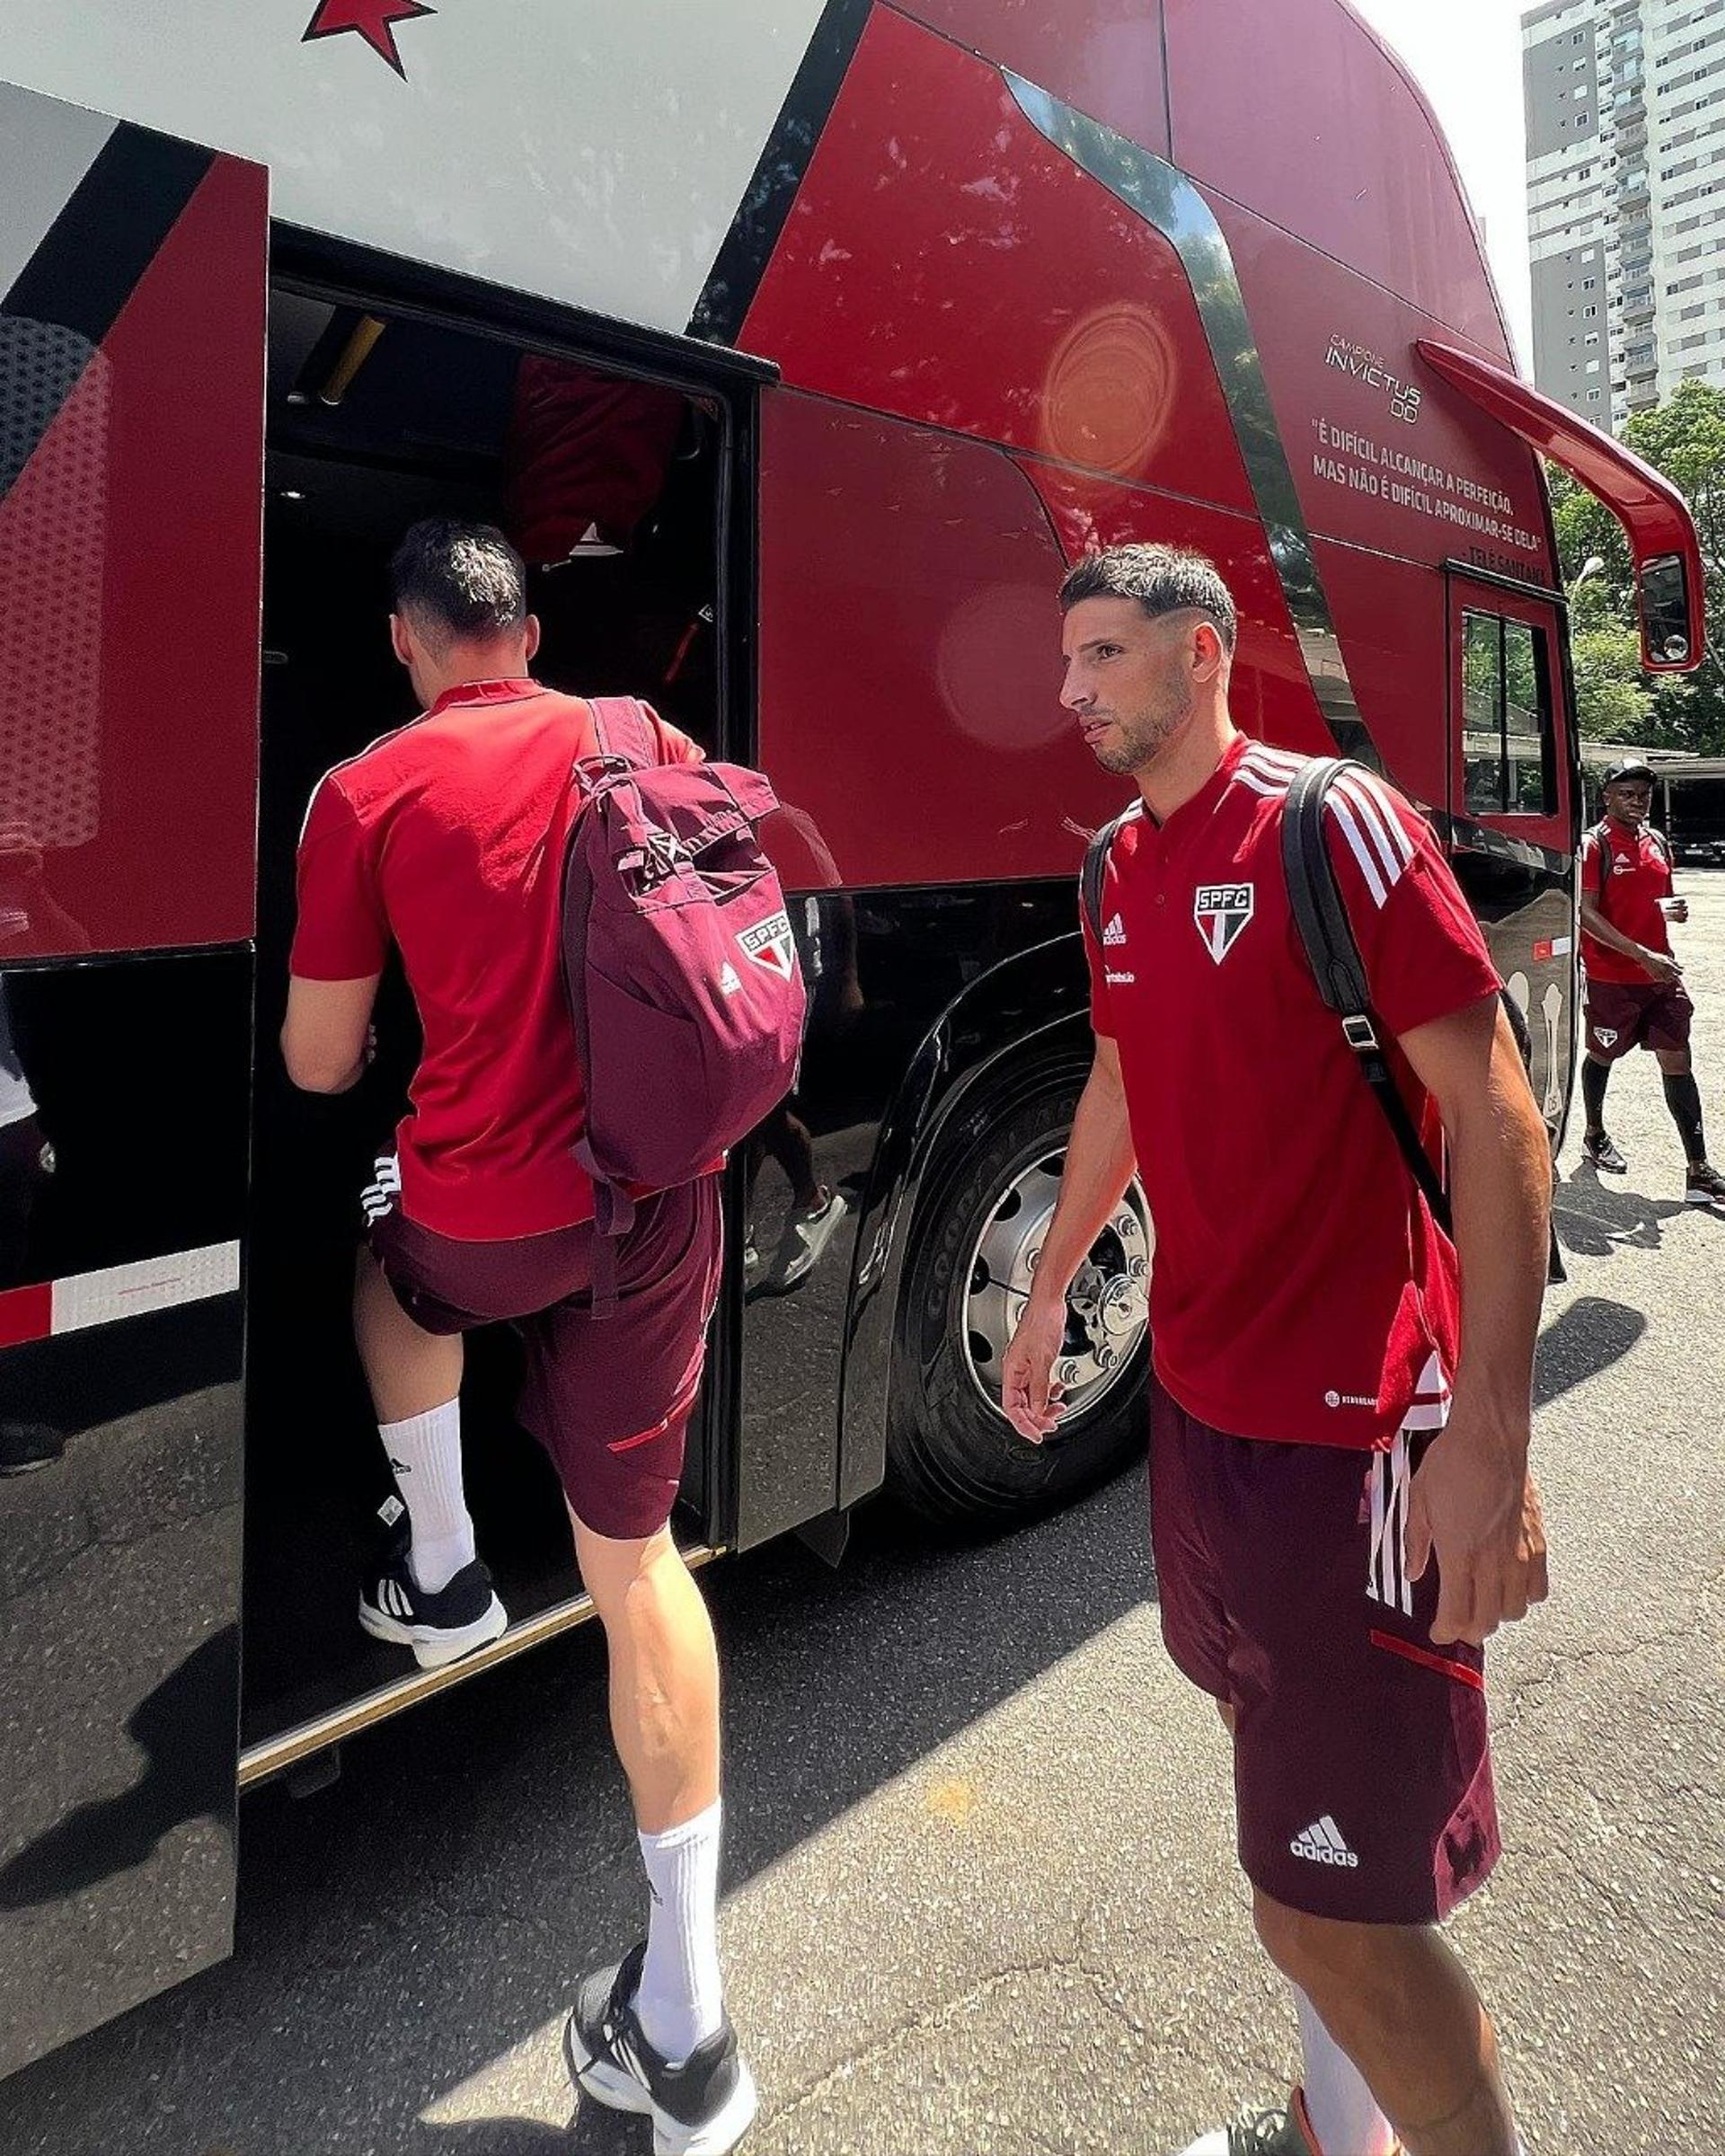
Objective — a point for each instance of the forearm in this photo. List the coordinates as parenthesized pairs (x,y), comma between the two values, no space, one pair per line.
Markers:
(1602,931)
(1500,1192)
(1100,1163)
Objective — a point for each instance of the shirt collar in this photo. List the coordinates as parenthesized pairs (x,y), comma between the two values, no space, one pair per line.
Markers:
(1193,812)
(483,692)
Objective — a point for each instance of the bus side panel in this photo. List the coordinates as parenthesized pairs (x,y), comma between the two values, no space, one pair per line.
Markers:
(123,1196)
(132,362)
(1318,129)
(131,409)
(1104,59)
(910,653)
(1384,455)
(1389,616)
(946,263)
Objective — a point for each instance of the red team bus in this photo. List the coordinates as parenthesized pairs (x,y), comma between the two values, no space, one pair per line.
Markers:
(801,347)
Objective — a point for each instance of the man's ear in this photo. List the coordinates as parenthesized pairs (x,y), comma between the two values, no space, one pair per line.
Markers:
(1209,656)
(401,639)
(531,634)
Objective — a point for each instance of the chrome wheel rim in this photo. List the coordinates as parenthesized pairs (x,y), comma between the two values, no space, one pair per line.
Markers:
(1108,1304)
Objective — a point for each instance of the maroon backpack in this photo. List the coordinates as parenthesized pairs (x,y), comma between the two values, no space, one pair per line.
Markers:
(680,966)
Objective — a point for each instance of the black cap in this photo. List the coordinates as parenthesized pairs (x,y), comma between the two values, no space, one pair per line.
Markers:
(1629,767)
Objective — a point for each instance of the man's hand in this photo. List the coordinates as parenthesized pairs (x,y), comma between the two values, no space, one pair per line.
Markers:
(1660,967)
(1678,910)
(1475,1506)
(1032,1403)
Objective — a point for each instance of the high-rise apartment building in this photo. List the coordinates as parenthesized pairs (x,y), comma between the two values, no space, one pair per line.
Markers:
(1626,198)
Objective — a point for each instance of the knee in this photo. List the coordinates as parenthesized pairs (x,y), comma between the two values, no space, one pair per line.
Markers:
(623,1577)
(1314,1952)
(1676,1063)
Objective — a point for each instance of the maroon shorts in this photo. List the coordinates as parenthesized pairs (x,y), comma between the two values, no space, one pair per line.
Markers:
(1362,1773)
(609,1399)
(1623,1015)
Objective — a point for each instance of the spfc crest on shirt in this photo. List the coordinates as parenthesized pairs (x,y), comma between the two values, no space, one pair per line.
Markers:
(1221,911)
(770,943)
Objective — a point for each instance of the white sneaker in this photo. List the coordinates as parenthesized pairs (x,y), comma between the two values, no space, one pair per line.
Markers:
(803,1244)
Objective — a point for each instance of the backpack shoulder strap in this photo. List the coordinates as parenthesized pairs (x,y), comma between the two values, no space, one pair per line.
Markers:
(621,725)
(1339,971)
(1095,872)
(1319,912)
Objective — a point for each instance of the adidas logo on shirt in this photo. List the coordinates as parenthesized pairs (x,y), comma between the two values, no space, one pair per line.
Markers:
(1321,1843)
(1114,934)
(729,980)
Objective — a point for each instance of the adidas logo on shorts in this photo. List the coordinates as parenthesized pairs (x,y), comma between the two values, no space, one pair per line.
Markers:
(1321,1843)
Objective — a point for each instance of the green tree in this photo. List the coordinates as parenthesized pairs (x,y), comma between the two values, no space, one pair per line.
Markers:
(1684,438)
(1613,702)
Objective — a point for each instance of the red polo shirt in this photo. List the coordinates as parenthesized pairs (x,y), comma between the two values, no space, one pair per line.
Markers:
(1625,872)
(448,838)
(1301,1292)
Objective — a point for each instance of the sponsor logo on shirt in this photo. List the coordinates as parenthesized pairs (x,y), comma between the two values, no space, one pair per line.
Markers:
(770,943)
(1114,934)
(1351,1400)
(1121,980)
(1221,911)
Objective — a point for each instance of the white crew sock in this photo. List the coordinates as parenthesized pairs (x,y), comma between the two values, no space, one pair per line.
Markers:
(1343,2111)
(425,1459)
(681,2000)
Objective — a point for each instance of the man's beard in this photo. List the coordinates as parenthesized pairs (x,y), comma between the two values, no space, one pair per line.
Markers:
(1139,746)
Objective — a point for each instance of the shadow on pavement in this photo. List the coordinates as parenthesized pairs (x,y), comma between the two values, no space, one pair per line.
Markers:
(179,1782)
(1591,1335)
(1595,1217)
(433,1909)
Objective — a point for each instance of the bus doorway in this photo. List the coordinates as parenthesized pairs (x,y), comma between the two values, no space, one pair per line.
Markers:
(613,484)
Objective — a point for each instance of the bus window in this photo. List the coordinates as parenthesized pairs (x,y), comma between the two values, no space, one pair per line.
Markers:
(1508,738)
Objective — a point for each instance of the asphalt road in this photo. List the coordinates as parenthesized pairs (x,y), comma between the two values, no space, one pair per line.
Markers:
(979,1897)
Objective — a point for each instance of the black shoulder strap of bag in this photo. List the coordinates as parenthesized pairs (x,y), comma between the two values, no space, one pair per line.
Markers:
(1095,871)
(1337,965)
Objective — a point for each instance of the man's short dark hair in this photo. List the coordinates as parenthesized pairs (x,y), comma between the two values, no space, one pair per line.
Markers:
(458,581)
(1162,579)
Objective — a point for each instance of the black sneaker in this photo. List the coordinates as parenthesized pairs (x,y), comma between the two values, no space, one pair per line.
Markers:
(1705,1186)
(439,1628)
(1598,1148)
(701,2108)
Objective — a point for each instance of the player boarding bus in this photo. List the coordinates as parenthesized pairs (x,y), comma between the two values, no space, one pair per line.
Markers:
(799,348)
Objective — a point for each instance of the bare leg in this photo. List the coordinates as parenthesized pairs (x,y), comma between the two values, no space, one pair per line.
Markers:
(665,1724)
(410,1370)
(663,1673)
(1400,2004)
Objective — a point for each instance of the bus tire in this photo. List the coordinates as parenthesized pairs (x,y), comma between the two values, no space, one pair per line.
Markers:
(952,1458)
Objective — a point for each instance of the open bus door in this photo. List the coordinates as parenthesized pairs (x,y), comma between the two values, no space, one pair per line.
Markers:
(131,385)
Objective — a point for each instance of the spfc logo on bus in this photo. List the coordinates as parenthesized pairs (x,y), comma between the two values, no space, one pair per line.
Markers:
(770,943)
(1221,911)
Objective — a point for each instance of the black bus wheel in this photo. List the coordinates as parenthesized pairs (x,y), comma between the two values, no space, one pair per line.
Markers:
(952,1456)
